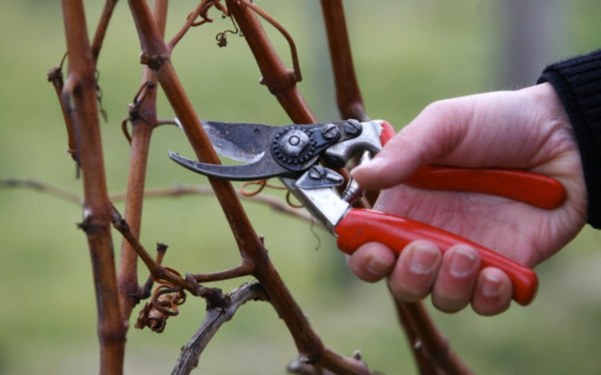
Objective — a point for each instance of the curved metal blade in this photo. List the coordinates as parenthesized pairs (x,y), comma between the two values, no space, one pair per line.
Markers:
(239,141)
(263,168)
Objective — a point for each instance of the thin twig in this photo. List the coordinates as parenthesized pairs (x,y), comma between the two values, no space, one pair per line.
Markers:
(41,187)
(201,11)
(157,271)
(244,269)
(214,319)
(145,290)
(103,24)
(274,203)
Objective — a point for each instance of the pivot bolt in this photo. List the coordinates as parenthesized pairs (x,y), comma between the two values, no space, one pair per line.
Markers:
(330,132)
(352,127)
(293,142)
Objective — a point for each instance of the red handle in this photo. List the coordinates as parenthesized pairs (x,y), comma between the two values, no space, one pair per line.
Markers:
(532,188)
(535,189)
(361,226)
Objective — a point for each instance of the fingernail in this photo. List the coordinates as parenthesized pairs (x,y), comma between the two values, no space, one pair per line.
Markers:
(423,259)
(491,286)
(463,262)
(379,266)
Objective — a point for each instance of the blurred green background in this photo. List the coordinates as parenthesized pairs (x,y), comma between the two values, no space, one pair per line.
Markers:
(407,54)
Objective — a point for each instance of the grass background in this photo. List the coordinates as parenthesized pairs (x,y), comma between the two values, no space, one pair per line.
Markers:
(407,54)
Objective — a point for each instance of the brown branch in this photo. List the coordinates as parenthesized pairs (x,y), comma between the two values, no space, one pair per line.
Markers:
(280,81)
(142,126)
(143,117)
(165,275)
(250,245)
(103,24)
(214,319)
(78,101)
(282,84)
(146,289)
(293,52)
(344,365)
(413,332)
(431,347)
(160,273)
(156,55)
(307,341)
(348,94)
(157,271)
(80,94)
(245,269)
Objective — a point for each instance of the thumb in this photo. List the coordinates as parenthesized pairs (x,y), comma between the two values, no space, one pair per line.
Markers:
(423,141)
(393,164)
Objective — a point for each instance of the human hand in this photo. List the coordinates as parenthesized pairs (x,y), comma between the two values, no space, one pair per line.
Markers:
(526,129)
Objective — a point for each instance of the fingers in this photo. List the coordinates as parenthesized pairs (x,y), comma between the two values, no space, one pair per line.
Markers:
(453,279)
(415,272)
(493,292)
(450,278)
(372,262)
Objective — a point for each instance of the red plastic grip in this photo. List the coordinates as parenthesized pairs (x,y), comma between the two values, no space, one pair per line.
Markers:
(387,132)
(531,188)
(361,226)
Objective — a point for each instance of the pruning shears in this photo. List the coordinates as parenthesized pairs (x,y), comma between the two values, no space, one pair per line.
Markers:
(305,158)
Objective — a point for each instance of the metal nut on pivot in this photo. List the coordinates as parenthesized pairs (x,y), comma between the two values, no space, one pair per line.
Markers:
(330,132)
(293,142)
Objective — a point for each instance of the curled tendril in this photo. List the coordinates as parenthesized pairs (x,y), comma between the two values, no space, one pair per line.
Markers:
(221,37)
(164,303)
(293,52)
(259,186)
(290,202)
(125,130)
(254,188)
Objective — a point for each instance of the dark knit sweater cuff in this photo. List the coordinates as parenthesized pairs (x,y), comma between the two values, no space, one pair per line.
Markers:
(578,84)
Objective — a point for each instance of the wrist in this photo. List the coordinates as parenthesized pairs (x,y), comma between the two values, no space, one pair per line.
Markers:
(577,83)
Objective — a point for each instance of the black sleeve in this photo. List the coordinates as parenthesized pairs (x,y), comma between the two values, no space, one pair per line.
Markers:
(578,84)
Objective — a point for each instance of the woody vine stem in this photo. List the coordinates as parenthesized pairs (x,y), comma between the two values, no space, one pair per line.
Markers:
(118,289)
